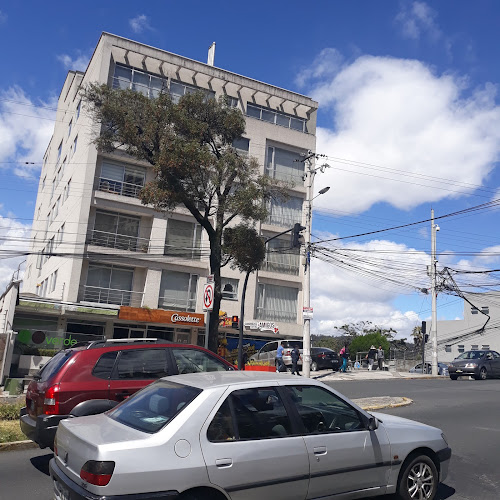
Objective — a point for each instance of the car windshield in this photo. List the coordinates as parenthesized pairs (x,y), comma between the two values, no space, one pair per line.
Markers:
(293,343)
(471,355)
(53,366)
(152,408)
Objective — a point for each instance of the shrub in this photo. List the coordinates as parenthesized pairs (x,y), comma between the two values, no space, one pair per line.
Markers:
(10,411)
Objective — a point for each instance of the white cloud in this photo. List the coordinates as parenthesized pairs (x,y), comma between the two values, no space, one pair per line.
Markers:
(25,130)
(409,126)
(79,63)
(15,238)
(3,17)
(140,23)
(417,19)
(326,63)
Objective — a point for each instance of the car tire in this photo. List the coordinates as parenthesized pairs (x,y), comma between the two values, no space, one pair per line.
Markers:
(410,480)
(483,374)
(314,366)
(453,377)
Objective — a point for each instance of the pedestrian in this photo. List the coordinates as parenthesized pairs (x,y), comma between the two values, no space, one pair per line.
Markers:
(344,354)
(371,356)
(295,360)
(380,358)
(279,357)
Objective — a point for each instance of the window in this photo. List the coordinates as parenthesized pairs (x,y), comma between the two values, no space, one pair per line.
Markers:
(53,282)
(78,109)
(474,310)
(56,207)
(74,146)
(271,346)
(242,145)
(60,234)
(183,239)
(66,190)
(119,179)
(447,348)
(104,365)
(260,414)
(194,360)
(461,348)
(53,187)
(276,303)
(110,285)
(280,258)
(178,291)
(59,151)
(322,411)
(155,406)
(485,310)
(69,127)
(43,182)
(142,364)
(231,101)
(285,213)
(485,347)
(229,289)
(276,117)
(221,428)
(474,347)
(116,231)
(285,165)
(178,89)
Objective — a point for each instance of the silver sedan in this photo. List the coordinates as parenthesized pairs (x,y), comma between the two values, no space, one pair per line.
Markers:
(245,435)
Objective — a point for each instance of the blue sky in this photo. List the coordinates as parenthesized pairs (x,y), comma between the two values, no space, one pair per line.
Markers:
(409,119)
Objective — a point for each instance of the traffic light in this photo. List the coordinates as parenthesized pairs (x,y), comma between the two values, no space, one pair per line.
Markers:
(235,322)
(424,327)
(296,236)
(426,337)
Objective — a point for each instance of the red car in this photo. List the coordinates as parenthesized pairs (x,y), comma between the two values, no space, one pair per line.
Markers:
(108,371)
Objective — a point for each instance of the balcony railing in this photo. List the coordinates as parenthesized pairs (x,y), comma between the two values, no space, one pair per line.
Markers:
(177,303)
(191,253)
(274,315)
(283,220)
(119,241)
(119,187)
(102,295)
(288,265)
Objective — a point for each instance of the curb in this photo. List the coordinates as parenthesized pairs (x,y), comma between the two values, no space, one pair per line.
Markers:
(17,445)
(405,402)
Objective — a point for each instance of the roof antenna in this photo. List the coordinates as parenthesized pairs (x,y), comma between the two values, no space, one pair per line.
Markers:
(211,54)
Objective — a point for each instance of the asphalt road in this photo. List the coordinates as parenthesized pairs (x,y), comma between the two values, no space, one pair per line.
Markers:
(467,411)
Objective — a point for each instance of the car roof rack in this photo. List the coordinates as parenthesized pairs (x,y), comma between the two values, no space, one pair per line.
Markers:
(103,343)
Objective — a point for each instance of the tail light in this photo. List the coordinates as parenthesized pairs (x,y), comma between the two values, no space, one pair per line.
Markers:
(288,353)
(322,355)
(97,472)
(51,401)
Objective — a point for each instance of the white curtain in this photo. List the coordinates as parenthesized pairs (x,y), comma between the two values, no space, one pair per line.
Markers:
(277,303)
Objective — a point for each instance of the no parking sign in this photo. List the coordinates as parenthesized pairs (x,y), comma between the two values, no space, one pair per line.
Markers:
(208,296)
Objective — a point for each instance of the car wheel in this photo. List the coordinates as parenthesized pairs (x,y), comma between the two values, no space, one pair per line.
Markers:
(483,374)
(453,377)
(418,479)
(314,366)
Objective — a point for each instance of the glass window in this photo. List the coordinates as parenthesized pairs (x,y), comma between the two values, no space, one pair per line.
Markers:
(474,347)
(194,360)
(221,428)
(178,291)
(154,406)
(229,288)
(69,127)
(485,310)
(276,303)
(271,346)
(54,365)
(447,348)
(285,213)
(260,414)
(474,310)
(322,411)
(280,258)
(461,348)
(242,145)
(78,108)
(485,347)
(141,364)
(104,365)
(253,111)
(183,239)
(59,151)
(495,354)
(74,144)
(285,165)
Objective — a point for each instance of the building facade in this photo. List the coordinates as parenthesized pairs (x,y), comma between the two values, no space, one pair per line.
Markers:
(96,246)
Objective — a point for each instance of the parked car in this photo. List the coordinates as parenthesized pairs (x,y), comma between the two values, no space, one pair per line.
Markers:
(324,358)
(442,368)
(245,435)
(105,370)
(478,364)
(267,352)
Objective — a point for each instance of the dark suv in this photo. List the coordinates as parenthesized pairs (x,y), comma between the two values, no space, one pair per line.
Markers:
(106,370)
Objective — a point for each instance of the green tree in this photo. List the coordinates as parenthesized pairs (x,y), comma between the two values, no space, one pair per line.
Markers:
(362,343)
(189,144)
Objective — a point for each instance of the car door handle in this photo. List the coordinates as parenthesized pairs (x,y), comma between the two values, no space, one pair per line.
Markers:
(123,394)
(223,462)
(320,450)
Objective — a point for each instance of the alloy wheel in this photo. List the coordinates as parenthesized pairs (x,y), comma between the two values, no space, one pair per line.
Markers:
(420,482)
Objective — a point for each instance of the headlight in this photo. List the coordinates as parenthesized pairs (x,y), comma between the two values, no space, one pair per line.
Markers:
(444,438)
(471,365)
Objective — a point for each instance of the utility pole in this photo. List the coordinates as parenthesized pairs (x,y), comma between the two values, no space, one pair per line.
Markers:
(310,172)
(434,229)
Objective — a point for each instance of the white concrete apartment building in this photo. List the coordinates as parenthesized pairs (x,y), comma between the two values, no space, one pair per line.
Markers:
(115,254)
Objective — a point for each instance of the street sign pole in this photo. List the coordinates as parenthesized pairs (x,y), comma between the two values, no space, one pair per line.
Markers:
(207,329)
(208,304)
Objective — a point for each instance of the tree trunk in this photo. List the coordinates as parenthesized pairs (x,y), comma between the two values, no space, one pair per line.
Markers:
(215,265)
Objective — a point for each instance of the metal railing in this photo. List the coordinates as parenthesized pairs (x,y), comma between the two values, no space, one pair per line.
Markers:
(191,253)
(273,315)
(119,187)
(177,303)
(283,220)
(102,295)
(282,263)
(119,241)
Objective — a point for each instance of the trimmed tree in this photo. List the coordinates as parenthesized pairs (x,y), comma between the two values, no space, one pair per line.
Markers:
(189,144)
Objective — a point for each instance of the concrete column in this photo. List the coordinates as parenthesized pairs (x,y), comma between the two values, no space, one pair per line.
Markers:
(152,288)
(158,234)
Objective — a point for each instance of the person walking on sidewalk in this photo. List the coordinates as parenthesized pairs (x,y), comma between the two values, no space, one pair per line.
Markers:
(295,360)
(344,354)
(371,356)
(279,358)
(380,358)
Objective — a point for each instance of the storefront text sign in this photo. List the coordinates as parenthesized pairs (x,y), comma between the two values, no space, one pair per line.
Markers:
(161,316)
(263,326)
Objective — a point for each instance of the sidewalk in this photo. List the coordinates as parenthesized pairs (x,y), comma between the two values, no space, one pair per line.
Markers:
(329,376)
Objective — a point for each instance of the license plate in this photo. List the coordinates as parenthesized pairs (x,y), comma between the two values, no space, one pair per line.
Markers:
(60,491)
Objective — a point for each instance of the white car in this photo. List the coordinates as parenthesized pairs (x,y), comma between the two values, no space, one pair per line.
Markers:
(245,435)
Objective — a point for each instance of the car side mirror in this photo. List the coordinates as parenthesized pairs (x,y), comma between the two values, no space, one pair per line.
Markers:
(372,423)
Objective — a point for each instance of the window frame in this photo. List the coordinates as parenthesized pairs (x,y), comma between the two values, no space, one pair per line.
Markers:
(168,372)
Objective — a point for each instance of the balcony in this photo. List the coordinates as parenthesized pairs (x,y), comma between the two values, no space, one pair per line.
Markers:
(100,295)
(177,302)
(119,187)
(274,315)
(290,265)
(118,241)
